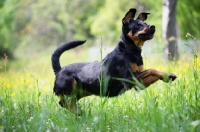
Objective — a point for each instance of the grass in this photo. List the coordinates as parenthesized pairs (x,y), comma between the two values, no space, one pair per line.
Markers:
(27,102)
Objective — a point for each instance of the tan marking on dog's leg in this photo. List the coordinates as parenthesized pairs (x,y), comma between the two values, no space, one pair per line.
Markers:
(74,83)
(149,80)
(152,72)
(141,68)
(134,67)
(150,76)
(74,107)
(70,100)
(70,103)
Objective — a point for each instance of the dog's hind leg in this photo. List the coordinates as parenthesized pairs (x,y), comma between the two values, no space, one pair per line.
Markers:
(150,76)
(70,101)
(65,87)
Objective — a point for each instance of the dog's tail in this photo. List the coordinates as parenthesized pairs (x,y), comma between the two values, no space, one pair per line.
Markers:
(57,53)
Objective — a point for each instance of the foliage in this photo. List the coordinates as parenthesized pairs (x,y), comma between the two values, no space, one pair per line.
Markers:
(39,24)
(188,17)
(8,36)
(56,25)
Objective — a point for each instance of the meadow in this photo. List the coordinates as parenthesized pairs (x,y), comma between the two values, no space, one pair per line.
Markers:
(27,102)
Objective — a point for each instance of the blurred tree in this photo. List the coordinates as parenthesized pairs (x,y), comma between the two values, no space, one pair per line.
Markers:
(8,36)
(83,14)
(188,17)
(169,28)
(1,3)
(40,23)
(43,24)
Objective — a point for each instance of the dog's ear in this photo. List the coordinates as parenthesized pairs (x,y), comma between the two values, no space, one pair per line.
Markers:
(130,14)
(143,16)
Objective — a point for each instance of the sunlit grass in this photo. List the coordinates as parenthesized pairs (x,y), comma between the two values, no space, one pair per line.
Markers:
(27,102)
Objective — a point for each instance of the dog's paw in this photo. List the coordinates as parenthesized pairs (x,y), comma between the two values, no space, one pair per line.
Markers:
(168,78)
(172,77)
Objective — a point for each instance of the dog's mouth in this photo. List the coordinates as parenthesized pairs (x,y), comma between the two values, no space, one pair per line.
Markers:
(147,33)
(141,36)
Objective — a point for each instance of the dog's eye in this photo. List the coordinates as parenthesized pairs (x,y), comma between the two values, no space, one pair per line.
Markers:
(141,23)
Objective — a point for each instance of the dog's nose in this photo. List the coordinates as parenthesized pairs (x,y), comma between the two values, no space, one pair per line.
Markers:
(151,26)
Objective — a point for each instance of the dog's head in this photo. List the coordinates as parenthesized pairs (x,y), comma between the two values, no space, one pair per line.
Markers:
(136,30)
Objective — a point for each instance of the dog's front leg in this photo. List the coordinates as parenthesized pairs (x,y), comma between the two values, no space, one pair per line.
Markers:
(150,76)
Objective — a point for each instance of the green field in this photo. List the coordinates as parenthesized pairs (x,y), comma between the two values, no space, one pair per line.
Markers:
(27,102)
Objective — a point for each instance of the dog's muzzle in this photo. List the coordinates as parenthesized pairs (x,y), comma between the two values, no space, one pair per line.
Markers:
(149,33)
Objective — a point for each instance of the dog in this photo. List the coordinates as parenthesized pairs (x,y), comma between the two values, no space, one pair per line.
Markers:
(112,76)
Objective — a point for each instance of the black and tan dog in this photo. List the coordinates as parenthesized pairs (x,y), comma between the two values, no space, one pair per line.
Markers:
(78,80)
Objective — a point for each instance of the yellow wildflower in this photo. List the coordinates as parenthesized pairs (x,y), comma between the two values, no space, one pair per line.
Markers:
(13,94)
(29,74)
(187,82)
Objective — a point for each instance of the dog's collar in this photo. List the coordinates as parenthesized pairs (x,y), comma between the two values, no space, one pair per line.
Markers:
(131,44)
